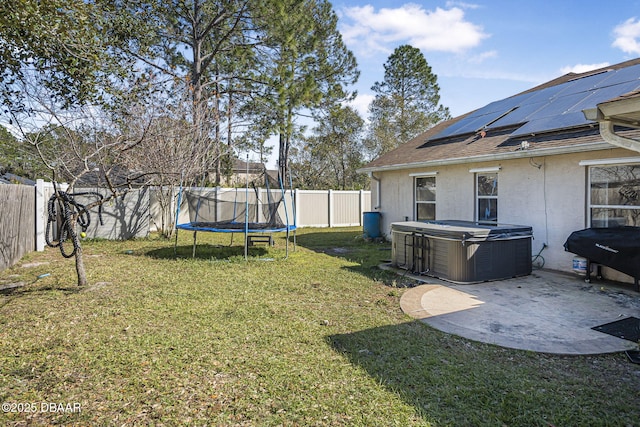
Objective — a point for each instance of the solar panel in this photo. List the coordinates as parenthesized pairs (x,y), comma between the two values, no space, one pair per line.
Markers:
(507,104)
(551,123)
(482,117)
(557,105)
(622,75)
(546,94)
(469,124)
(519,115)
(560,105)
(551,108)
(604,94)
(586,83)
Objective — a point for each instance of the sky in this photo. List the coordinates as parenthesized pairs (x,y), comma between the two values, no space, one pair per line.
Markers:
(486,50)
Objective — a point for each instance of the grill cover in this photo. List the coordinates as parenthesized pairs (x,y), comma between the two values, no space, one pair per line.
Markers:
(618,247)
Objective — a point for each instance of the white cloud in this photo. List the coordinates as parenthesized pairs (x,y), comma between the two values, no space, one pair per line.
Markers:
(582,68)
(481,57)
(368,30)
(462,5)
(361,104)
(627,35)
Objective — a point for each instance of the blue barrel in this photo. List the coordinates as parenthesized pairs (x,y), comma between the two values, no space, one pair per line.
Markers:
(371,222)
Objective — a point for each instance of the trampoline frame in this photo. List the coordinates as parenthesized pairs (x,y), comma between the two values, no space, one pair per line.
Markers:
(245,227)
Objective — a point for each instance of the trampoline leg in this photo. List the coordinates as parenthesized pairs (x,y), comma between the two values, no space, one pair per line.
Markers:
(175,245)
(246,245)
(193,252)
(287,245)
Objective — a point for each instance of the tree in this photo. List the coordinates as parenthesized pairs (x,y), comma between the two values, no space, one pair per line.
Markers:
(56,58)
(197,45)
(406,102)
(330,157)
(66,46)
(18,157)
(305,64)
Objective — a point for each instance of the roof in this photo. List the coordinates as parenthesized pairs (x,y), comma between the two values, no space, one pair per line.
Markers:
(10,178)
(479,136)
(240,166)
(624,109)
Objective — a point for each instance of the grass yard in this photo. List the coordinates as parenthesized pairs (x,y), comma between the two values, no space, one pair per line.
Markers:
(317,339)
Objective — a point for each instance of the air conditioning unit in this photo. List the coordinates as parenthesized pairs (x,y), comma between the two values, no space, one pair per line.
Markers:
(462,251)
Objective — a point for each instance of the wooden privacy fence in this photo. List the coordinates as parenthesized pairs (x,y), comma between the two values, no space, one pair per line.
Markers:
(17,223)
(23,213)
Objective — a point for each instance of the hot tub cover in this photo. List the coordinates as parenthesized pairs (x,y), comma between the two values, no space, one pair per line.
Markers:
(463,230)
(617,247)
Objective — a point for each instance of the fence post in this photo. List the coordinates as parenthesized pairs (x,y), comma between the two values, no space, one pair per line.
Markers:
(331,208)
(360,217)
(296,207)
(216,197)
(40,215)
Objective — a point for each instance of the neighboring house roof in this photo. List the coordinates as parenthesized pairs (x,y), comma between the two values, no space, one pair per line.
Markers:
(10,178)
(118,177)
(240,167)
(527,131)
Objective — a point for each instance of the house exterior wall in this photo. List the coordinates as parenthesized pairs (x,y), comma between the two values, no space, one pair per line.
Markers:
(547,193)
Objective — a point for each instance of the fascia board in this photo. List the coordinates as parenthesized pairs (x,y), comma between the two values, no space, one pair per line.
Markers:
(519,154)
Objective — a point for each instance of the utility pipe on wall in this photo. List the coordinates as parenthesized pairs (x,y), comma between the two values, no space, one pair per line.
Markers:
(377,180)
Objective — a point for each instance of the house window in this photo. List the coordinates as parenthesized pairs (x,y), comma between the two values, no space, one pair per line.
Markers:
(487,197)
(614,195)
(425,198)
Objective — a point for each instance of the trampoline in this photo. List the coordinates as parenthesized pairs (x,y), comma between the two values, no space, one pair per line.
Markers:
(235,210)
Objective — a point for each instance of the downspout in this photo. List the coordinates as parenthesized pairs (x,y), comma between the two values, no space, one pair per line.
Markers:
(609,135)
(377,180)
(606,126)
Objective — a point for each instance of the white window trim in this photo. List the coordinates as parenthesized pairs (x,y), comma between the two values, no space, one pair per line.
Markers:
(486,170)
(604,162)
(415,196)
(478,172)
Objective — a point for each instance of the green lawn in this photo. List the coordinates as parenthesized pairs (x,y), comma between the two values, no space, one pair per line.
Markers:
(314,339)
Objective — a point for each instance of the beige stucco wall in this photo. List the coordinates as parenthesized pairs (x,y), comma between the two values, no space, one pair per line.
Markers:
(550,198)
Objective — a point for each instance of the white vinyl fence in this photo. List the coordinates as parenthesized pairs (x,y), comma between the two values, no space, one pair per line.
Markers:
(303,208)
(141,211)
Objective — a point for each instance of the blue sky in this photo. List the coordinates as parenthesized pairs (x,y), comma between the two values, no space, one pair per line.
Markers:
(487,50)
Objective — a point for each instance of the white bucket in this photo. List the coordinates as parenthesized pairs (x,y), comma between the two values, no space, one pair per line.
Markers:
(580,265)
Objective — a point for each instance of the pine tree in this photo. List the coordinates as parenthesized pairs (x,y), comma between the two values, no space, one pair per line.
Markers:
(406,102)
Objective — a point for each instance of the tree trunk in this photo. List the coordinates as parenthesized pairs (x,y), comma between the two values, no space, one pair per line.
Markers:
(82,274)
(282,158)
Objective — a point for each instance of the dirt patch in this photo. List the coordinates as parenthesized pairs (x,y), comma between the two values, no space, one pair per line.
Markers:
(34,264)
(96,286)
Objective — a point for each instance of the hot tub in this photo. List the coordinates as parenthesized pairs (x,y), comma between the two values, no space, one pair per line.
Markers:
(462,251)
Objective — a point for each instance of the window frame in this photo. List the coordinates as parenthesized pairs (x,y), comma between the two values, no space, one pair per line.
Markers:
(478,197)
(590,207)
(417,202)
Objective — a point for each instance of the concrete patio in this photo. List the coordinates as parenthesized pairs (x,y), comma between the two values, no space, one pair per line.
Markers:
(547,311)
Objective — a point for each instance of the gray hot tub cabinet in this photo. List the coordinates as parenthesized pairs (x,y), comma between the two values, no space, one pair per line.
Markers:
(462,251)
